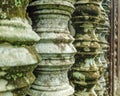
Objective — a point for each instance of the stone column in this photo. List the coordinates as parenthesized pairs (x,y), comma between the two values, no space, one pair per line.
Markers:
(17,55)
(102,32)
(107,6)
(50,20)
(85,72)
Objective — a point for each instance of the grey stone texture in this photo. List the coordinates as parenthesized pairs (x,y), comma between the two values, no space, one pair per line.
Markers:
(50,20)
(85,72)
(103,31)
(18,57)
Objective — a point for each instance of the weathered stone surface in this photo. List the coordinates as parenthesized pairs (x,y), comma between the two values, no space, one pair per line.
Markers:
(102,31)
(18,56)
(50,20)
(116,48)
(22,31)
(85,72)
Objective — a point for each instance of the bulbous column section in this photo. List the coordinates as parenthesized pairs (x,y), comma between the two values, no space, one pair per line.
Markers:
(18,57)
(50,20)
(85,72)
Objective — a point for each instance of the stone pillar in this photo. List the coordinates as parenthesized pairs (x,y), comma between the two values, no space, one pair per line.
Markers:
(18,57)
(102,32)
(85,72)
(50,20)
(107,6)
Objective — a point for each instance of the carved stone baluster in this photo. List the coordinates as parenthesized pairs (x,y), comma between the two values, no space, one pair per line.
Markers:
(17,55)
(103,32)
(106,5)
(84,73)
(50,20)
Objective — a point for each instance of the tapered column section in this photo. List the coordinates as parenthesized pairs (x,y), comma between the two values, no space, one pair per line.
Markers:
(17,55)
(85,72)
(50,20)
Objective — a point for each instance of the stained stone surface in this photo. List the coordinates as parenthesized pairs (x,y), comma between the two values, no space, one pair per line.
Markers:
(50,20)
(107,7)
(102,64)
(18,56)
(22,31)
(103,31)
(85,72)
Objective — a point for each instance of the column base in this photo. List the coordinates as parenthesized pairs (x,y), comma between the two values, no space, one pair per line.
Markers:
(52,91)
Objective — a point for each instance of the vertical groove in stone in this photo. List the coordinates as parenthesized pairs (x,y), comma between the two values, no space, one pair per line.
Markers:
(17,55)
(50,20)
(85,72)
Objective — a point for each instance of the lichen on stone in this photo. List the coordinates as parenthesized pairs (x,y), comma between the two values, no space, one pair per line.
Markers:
(13,8)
